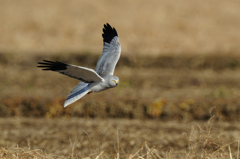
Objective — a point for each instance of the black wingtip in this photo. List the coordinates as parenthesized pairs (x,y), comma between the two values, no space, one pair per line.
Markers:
(51,65)
(108,33)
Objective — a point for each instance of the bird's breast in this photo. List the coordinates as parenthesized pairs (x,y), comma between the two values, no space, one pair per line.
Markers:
(98,87)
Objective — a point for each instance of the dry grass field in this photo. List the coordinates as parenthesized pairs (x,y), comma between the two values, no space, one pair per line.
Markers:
(156,27)
(179,88)
(90,138)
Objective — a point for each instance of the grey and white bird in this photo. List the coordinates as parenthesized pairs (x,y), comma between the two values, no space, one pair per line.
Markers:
(97,80)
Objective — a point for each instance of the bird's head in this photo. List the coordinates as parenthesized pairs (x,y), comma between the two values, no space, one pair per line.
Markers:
(113,81)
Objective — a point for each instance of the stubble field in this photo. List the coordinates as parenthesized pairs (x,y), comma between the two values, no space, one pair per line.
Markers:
(179,88)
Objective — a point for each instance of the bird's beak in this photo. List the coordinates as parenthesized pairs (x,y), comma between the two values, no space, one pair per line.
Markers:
(117,82)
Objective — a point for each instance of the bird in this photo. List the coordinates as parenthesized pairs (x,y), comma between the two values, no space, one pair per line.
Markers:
(97,80)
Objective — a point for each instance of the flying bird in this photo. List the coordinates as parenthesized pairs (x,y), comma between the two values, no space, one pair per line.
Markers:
(97,80)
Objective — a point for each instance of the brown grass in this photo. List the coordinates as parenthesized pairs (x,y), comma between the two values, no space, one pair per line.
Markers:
(161,112)
(190,89)
(79,138)
(156,27)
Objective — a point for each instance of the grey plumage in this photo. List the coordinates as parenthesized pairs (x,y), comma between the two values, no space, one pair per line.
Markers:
(92,81)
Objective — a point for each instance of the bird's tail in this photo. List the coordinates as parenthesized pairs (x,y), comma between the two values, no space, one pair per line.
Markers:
(78,92)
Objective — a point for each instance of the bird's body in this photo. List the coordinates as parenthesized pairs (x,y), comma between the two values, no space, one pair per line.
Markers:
(92,81)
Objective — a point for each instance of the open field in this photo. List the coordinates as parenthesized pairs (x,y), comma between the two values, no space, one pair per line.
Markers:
(190,89)
(156,27)
(79,138)
(160,109)
(179,88)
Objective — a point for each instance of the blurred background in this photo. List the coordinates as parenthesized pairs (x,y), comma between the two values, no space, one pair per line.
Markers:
(180,60)
(156,27)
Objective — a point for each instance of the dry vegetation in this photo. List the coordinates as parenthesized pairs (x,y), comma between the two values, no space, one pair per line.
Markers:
(161,111)
(113,138)
(156,27)
(193,88)
(179,80)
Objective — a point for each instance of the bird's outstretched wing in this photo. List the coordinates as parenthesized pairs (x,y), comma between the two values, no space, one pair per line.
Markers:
(78,92)
(81,73)
(111,51)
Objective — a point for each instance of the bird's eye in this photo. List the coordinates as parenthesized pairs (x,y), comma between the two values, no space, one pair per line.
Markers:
(114,81)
